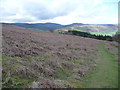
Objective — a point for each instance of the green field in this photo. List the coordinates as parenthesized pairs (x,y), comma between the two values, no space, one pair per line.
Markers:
(91,32)
(103,33)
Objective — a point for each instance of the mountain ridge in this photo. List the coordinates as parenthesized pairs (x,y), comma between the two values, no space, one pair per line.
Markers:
(103,29)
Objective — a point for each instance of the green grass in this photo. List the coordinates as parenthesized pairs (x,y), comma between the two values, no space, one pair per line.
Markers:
(76,84)
(17,82)
(110,33)
(76,29)
(106,73)
(75,61)
(63,73)
(103,33)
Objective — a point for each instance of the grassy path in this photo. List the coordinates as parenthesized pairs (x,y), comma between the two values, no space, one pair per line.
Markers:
(106,73)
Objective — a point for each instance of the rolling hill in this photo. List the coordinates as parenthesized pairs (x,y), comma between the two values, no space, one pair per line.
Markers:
(98,29)
(42,59)
(101,29)
(37,26)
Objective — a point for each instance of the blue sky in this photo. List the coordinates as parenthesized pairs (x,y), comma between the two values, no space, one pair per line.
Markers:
(60,11)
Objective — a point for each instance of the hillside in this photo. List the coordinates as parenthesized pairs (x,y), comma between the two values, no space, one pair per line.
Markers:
(101,29)
(98,29)
(41,59)
(37,26)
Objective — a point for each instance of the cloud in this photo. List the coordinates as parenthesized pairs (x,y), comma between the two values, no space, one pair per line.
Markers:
(58,11)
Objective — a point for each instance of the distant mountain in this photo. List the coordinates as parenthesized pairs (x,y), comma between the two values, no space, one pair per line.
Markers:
(38,26)
(104,29)
(74,24)
(43,26)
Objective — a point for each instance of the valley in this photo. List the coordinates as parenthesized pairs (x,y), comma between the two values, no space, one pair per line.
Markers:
(97,29)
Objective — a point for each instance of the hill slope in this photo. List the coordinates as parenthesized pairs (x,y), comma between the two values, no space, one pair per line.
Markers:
(41,59)
(104,29)
(38,26)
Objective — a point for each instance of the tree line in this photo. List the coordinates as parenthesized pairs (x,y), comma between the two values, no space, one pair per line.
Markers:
(86,34)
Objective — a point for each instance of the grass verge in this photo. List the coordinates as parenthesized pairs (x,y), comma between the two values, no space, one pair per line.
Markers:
(106,73)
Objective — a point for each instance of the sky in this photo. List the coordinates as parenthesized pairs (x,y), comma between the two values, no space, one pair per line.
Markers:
(59,11)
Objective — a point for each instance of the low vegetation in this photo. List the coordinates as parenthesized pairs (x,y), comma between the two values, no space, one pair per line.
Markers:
(39,59)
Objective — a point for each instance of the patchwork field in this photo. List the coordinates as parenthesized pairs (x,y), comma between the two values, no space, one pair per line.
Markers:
(100,29)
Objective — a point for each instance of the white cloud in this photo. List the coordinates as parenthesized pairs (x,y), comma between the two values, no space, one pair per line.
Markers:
(58,11)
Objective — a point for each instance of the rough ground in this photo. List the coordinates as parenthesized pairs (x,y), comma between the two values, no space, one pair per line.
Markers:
(41,59)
